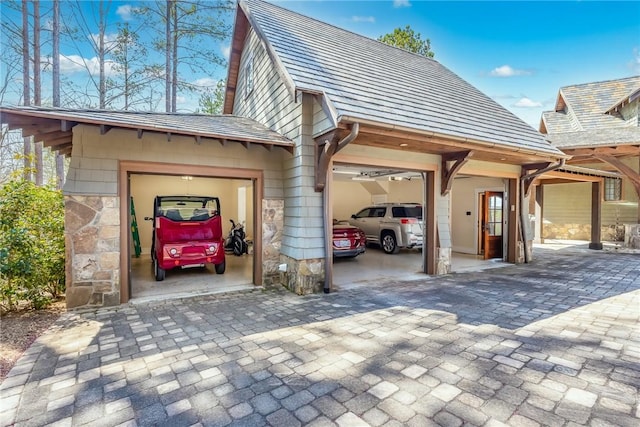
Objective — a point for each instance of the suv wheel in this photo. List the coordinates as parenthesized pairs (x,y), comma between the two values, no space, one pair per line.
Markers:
(389,244)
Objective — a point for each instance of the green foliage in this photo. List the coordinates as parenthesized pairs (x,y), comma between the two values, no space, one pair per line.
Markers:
(31,244)
(408,39)
(212,101)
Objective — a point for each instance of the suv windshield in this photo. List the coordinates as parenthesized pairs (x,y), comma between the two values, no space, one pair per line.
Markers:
(187,208)
(407,212)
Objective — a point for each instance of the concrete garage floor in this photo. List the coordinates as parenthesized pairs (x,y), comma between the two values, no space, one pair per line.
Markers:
(191,281)
(376,266)
(373,266)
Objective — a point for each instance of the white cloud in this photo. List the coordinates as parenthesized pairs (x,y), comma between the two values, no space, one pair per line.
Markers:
(370,19)
(508,71)
(401,3)
(110,40)
(125,12)
(72,64)
(226,51)
(525,102)
(205,83)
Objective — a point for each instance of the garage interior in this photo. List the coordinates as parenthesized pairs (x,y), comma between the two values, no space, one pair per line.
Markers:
(355,187)
(236,202)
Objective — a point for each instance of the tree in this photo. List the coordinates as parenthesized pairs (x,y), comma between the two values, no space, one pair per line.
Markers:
(186,38)
(409,40)
(212,101)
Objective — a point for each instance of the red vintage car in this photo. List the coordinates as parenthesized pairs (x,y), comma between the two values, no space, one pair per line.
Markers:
(348,241)
(187,232)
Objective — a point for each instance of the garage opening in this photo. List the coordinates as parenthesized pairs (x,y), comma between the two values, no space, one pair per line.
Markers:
(234,201)
(386,204)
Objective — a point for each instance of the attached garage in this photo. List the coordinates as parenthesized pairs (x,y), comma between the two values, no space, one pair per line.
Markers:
(117,157)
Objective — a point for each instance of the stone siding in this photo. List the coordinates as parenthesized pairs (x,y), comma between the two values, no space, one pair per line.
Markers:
(92,239)
(609,233)
(632,236)
(272,225)
(444,261)
(303,276)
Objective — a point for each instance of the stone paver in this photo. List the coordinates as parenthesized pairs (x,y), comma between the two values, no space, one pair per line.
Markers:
(552,343)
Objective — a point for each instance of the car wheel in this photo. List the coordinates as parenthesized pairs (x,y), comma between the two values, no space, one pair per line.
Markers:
(389,244)
(158,272)
(220,267)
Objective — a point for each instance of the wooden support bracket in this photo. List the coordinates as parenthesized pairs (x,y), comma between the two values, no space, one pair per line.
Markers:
(104,129)
(451,165)
(627,171)
(325,148)
(140,133)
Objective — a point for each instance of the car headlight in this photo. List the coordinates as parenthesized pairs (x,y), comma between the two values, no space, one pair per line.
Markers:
(173,251)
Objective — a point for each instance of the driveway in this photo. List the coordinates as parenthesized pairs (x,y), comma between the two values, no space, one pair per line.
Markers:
(555,342)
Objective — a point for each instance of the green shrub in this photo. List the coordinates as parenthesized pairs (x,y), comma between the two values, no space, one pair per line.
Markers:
(31,244)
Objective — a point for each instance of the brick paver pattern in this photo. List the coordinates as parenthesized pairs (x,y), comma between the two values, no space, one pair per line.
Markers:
(555,342)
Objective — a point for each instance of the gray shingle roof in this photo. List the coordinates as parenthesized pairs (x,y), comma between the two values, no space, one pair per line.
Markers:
(587,105)
(366,79)
(585,122)
(217,127)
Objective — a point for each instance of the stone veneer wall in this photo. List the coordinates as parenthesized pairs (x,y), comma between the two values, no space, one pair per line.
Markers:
(304,276)
(272,225)
(443,265)
(92,240)
(611,233)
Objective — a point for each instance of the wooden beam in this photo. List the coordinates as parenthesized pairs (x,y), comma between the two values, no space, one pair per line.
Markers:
(451,164)
(67,125)
(627,171)
(198,139)
(104,129)
(268,147)
(43,136)
(52,142)
(140,133)
(168,136)
(29,130)
(617,150)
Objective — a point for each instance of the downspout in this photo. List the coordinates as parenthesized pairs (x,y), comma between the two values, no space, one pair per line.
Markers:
(328,226)
(523,216)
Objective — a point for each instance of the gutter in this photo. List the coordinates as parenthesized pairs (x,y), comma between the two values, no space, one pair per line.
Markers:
(523,217)
(328,226)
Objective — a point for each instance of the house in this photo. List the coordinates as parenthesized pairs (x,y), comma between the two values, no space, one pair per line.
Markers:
(598,125)
(306,104)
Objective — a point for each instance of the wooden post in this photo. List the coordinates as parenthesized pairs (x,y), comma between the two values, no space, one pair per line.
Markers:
(596,215)
(512,233)
(429,246)
(538,233)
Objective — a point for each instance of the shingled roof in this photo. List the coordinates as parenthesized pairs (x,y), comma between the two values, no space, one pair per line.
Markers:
(586,115)
(59,122)
(368,80)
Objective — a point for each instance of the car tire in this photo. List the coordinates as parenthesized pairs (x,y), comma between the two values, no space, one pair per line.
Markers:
(388,243)
(220,267)
(158,272)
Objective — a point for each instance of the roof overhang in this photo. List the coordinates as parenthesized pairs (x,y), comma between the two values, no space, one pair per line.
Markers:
(54,127)
(395,137)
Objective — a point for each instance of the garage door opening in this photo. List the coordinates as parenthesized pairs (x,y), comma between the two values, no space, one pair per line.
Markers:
(387,205)
(236,200)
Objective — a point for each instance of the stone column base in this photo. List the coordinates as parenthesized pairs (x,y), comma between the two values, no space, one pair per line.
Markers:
(304,276)
(443,265)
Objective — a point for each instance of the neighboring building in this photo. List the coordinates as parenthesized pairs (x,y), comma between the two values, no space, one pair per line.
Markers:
(598,124)
(328,98)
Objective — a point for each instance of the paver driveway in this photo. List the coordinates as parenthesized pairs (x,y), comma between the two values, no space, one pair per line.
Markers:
(555,343)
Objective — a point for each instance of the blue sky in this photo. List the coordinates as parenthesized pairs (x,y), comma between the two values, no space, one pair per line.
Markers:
(519,53)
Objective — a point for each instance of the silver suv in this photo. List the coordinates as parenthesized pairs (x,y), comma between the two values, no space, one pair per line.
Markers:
(391,225)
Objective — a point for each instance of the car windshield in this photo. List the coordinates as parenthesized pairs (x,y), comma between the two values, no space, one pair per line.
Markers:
(188,208)
(407,212)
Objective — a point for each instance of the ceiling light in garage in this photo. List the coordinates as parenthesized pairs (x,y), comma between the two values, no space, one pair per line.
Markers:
(362,178)
(187,178)
(404,144)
